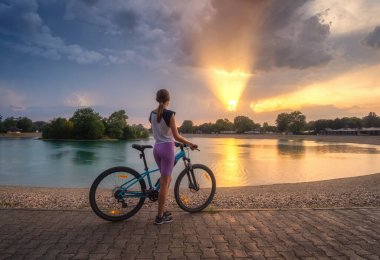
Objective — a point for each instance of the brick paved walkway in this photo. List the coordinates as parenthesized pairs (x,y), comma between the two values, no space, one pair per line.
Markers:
(266,234)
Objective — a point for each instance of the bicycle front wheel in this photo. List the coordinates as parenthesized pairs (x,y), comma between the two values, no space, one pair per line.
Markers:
(112,201)
(194,190)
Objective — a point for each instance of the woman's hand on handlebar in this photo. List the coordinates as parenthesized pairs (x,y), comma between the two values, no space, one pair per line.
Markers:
(193,146)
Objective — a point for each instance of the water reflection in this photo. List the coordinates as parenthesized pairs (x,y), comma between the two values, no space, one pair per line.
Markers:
(235,162)
(288,148)
(328,148)
(232,168)
(60,154)
(84,157)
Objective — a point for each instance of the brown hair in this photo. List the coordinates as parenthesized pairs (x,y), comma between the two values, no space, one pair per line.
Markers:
(161,97)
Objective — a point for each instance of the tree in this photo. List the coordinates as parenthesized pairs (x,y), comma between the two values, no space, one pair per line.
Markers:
(268,128)
(206,128)
(25,124)
(87,124)
(58,128)
(10,123)
(38,125)
(243,124)
(293,122)
(283,122)
(2,128)
(320,125)
(297,122)
(116,123)
(372,120)
(187,127)
(223,125)
(135,131)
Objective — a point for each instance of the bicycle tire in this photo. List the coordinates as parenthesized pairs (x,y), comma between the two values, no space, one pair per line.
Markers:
(94,186)
(177,186)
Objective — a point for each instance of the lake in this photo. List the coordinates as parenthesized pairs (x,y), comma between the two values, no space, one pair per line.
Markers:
(235,162)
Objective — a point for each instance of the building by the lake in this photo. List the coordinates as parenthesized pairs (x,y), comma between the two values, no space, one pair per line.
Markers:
(352,131)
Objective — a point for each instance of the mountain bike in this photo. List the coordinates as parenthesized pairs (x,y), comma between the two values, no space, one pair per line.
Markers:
(119,192)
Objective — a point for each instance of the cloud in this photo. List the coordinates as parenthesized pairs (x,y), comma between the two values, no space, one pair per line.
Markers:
(116,18)
(79,100)
(354,88)
(373,39)
(353,16)
(307,49)
(20,21)
(11,100)
(259,35)
(242,34)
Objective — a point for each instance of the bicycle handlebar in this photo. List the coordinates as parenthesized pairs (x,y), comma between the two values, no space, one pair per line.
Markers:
(177,144)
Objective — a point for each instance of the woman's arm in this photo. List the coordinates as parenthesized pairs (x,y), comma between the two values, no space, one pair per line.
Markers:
(177,136)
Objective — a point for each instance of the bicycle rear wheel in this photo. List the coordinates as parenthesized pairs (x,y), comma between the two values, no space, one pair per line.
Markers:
(194,192)
(109,201)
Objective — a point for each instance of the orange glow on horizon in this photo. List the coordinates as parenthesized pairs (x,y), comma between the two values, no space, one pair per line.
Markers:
(359,88)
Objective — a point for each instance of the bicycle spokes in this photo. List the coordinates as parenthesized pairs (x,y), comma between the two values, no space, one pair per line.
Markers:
(185,199)
(113,198)
(195,188)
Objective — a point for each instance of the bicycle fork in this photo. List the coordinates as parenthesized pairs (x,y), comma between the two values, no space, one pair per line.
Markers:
(191,176)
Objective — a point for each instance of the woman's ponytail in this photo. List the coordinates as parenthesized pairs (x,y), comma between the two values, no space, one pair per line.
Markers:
(162,96)
(160,112)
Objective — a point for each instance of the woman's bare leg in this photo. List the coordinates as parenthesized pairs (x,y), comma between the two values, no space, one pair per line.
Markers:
(163,193)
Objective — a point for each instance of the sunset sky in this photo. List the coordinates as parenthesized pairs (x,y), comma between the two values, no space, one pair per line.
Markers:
(218,59)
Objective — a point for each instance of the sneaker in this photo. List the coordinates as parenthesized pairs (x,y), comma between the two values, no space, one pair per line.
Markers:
(167,213)
(162,220)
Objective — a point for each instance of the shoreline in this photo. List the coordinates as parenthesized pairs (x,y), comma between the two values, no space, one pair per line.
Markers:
(21,135)
(361,191)
(373,140)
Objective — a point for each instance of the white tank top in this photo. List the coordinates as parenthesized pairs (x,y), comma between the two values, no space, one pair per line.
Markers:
(161,130)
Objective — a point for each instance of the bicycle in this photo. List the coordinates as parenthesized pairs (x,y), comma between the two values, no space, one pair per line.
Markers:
(119,192)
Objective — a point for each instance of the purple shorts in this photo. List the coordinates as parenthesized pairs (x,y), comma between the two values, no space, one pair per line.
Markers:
(164,157)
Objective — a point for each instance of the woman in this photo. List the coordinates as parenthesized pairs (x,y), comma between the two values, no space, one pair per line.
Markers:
(165,132)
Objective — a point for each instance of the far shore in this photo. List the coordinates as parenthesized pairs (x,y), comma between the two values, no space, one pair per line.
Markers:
(375,140)
(20,135)
(39,136)
(362,191)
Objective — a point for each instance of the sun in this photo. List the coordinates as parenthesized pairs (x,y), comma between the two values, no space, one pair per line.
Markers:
(232,105)
(228,86)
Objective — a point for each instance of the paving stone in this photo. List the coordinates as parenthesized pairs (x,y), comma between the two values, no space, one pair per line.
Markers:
(193,256)
(254,234)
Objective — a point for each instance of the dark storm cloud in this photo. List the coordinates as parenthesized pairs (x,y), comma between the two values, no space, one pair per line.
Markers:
(306,49)
(373,39)
(90,2)
(115,18)
(20,17)
(20,21)
(126,19)
(279,34)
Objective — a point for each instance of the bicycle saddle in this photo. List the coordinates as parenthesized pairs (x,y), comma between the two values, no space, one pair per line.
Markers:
(141,147)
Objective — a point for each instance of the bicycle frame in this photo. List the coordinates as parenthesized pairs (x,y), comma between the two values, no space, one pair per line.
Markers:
(125,186)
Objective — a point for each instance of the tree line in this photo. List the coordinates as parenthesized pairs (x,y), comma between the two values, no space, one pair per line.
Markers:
(88,124)
(85,124)
(22,124)
(293,122)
